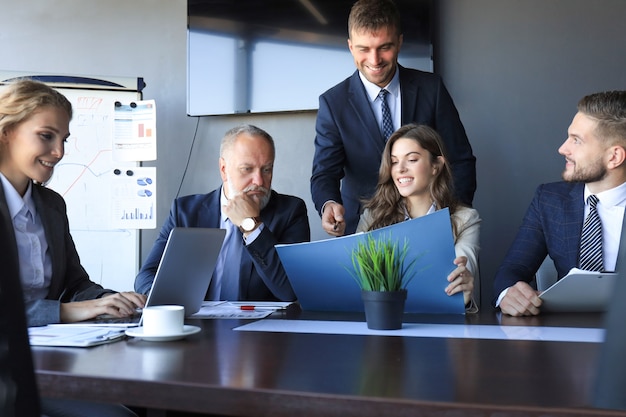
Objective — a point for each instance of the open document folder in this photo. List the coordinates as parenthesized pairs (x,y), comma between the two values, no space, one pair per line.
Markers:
(320,275)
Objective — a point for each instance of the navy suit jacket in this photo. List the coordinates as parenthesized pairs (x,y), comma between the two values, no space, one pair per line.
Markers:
(262,276)
(70,281)
(349,143)
(552,226)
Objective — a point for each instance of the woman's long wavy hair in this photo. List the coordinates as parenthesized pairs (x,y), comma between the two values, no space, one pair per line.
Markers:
(387,206)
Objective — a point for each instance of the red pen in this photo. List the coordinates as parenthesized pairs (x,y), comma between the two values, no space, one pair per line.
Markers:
(260,308)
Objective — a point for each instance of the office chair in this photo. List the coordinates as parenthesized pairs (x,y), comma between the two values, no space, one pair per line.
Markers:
(546,275)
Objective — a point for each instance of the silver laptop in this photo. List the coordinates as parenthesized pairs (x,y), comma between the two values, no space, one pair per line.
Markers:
(183,275)
(579,291)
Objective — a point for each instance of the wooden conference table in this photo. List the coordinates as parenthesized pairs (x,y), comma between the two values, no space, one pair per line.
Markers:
(250,373)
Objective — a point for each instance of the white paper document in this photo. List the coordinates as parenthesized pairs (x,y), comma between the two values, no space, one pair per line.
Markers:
(73,336)
(134,133)
(238,309)
(463,331)
(133,198)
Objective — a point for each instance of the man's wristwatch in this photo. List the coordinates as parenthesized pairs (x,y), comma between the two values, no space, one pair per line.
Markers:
(249,224)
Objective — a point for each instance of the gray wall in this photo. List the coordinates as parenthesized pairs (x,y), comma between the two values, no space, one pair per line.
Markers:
(139,38)
(514,68)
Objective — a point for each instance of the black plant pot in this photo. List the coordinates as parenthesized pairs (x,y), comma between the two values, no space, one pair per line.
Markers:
(384,309)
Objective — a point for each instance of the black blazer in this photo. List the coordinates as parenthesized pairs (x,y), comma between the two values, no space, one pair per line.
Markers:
(20,396)
(70,281)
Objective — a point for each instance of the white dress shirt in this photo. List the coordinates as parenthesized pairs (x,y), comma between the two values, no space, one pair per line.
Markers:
(611,210)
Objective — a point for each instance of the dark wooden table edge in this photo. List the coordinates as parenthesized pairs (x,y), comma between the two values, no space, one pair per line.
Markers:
(252,403)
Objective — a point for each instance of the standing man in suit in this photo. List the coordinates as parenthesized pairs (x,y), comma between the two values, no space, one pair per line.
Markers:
(351,129)
(595,164)
(255,216)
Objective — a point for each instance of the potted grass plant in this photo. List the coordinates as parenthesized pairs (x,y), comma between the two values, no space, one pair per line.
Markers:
(378,265)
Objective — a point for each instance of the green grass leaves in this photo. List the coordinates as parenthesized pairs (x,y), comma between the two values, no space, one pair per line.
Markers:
(378,264)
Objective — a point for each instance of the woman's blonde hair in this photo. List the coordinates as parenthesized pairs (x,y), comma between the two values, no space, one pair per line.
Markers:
(20,99)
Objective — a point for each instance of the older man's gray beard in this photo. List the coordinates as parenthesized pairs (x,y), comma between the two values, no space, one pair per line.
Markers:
(266,197)
(264,201)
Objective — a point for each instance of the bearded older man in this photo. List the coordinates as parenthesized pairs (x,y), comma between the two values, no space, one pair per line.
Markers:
(256,218)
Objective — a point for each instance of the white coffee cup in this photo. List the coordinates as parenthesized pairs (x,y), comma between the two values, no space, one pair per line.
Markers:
(166,320)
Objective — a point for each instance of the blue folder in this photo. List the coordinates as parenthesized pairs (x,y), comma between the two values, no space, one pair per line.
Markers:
(319,271)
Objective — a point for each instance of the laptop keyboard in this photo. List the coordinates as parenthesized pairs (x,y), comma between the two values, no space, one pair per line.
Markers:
(107,318)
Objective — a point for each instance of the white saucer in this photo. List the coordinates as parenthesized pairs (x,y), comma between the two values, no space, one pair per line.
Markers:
(138,332)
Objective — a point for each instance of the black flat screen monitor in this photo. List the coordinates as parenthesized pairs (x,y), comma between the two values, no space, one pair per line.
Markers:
(251,56)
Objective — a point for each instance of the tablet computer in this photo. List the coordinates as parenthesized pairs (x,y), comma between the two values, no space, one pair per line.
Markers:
(580,291)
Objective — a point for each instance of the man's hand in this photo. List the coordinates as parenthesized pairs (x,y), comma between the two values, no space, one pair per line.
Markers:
(332,219)
(240,206)
(521,300)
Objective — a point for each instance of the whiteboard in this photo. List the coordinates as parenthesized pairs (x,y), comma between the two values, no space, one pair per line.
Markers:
(83,178)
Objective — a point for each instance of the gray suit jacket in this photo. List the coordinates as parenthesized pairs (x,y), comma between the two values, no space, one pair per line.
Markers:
(70,281)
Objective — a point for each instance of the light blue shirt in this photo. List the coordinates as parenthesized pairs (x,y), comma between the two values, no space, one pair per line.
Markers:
(32,247)
(224,257)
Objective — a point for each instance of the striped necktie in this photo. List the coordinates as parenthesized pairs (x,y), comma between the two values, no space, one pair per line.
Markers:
(591,239)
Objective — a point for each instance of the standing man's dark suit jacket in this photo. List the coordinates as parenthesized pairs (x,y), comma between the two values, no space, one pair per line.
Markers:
(349,144)
(262,276)
(70,281)
(552,226)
